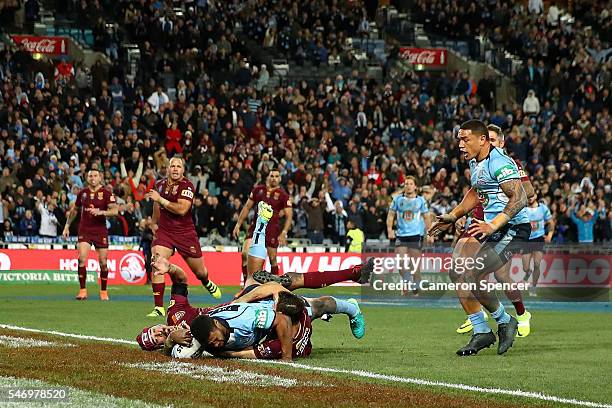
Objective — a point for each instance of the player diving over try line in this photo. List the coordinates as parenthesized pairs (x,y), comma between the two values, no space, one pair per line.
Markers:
(265,321)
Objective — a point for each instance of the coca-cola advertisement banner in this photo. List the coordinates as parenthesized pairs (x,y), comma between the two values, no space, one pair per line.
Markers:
(42,44)
(424,56)
(128,267)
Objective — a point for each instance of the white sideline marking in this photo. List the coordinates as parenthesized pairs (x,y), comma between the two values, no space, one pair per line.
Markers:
(70,335)
(364,374)
(20,342)
(221,375)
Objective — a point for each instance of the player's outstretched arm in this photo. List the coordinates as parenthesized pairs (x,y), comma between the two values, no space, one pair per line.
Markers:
(161,266)
(245,353)
(261,292)
(242,216)
(444,221)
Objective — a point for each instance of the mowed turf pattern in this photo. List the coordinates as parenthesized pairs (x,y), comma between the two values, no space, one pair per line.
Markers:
(567,355)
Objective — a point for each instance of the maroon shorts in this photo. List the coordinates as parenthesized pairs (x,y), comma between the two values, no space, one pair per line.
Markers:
(98,240)
(271,348)
(185,243)
(272,233)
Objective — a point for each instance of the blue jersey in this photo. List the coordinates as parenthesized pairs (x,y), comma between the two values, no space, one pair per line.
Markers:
(487,176)
(248,322)
(538,217)
(409,212)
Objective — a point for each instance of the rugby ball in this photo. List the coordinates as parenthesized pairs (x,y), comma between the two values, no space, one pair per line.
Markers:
(194,351)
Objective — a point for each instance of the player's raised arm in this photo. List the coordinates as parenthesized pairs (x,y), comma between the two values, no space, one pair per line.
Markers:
(444,221)
(243,215)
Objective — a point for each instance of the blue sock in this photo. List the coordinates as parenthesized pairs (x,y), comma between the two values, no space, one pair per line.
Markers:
(347,308)
(479,323)
(258,243)
(500,315)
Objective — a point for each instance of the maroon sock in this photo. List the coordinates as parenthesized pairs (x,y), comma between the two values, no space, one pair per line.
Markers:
(517,301)
(103,278)
(158,294)
(274,270)
(82,276)
(519,307)
(316,280)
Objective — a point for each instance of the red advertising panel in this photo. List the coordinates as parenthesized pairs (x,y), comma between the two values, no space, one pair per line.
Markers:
(424,56)
(127,267)
(42,44)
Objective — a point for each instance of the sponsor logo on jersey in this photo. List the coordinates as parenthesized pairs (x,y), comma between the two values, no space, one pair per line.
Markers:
(178,316)
(262,318)
(172,302)
(187,193)
(506,172)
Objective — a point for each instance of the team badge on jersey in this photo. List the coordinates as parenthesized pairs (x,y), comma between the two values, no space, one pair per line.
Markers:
(100,195)
(276,195)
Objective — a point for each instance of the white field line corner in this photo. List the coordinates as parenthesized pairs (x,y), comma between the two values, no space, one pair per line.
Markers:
(357,373)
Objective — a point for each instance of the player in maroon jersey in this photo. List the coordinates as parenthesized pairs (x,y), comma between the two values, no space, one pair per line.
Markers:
(278,198)
(95,203)
(181,313)
(467,246)
(174,230)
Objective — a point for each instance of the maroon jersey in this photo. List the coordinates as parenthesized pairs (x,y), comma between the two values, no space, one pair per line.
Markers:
(277,198)
(181,311)
(169,221)
(271,349)
(522,174)
(100,199)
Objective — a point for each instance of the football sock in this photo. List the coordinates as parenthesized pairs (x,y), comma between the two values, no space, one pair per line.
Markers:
(500,315)
(158,294)
(519,307)
(103,277)
(82,276)
(274,270)
(316,280)
(479,323)
(347,308)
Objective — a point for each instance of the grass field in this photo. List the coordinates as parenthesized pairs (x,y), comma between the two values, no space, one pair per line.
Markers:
(406,359)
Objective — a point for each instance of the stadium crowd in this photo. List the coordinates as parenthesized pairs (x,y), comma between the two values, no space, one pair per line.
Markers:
(197,94)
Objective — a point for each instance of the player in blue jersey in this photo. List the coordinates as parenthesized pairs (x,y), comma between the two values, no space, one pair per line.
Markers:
(467,246)
(542,229)
(496,184)
(410,210)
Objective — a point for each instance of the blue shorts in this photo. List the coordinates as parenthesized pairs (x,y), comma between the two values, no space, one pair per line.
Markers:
(258,251)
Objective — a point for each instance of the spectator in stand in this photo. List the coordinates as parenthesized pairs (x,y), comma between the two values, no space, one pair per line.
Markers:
(27,225)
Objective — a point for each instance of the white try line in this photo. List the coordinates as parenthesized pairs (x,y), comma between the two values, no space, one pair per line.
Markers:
(358,373)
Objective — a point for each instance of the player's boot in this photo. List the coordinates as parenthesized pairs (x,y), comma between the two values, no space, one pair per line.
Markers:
(159,311)
(357,323)
(265,211)
(477,342)
(364,271)
(467,327)
(265,277)
(524,328)
(104,295)
(213,289)
(506,333)
(82,294)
